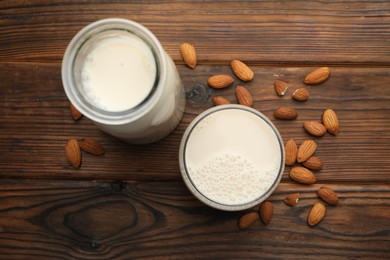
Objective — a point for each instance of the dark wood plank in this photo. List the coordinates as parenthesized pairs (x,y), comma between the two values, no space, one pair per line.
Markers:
(261,32)
(100,220)
(35,124)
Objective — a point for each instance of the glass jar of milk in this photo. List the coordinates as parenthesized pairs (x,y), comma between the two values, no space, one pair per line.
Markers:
(117,74)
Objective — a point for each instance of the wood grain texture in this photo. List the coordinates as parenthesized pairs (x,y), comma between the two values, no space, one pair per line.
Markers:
(101,220)
(261,32)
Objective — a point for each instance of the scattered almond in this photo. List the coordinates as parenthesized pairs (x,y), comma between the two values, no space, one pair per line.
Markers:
(285,113)
(328,195)
(305,150)
(330,121)
(301,94)
(318,76)
(290,152)
(302,175)
(220,81)
(316,214)
(247,220)
(188,53)
(241,70)
(73,153)
(313,163)
(218,100)
(91,146)
(266,212)
(314,128)
(292,199)
(244,97)
(76,115)
(280,87)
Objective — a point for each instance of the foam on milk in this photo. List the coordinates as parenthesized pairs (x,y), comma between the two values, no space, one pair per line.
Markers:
(118,73)
(233,157)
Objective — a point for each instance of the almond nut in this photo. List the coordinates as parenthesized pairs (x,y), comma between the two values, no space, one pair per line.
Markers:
(328,195)
(188,53)
(280,87)
(218,100)
(266,212)
(247,220)
(305,150)
(318,76)
(244,97)
(301,94)
(91,146)
(73,153)
(314,128)
(220,81)
(76,115)
(330,121)
(285,113)
(302,175)
(316,214)
(292,199)
(241,70)
(290,152)
(313,163)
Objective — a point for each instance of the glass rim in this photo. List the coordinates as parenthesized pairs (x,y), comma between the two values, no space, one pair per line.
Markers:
(192,187)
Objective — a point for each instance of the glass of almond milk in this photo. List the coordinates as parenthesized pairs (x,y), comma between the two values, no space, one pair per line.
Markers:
(231,157)
(117,74)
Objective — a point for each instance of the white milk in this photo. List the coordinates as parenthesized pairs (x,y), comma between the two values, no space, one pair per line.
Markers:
(233,156)
(119,73)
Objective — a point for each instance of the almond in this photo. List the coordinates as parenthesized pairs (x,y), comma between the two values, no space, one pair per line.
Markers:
(285,113)
(330,121)
(302,175)
(290,152)
(305,150)
(313,163)
(244,97)
(218,100)
(280,87)
(241,70)
(188,53)
(328,195)
(316,214)
(318,76)
(292,199)
(314,128)
(266,211)
(76,115)
(301,94)
(73,153)
(247,220)
(220,81)
(91,146)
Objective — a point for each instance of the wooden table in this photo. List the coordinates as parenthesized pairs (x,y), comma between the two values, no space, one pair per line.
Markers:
(132,202)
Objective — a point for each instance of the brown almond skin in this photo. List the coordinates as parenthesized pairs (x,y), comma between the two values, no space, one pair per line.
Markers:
(328,195)
(247,220)
(285,113)
(76,115)
(241,70)
(292,199)
(314,128)
(91,146)
(220,81)
(317,76)
(244,97)
(218,100)
(313,163)
(73,153)
(331,121)
(302,175)
(301,94)
(280,87)
(305,150)
(290,151)
(188,54)
(266,212)
(316,214)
